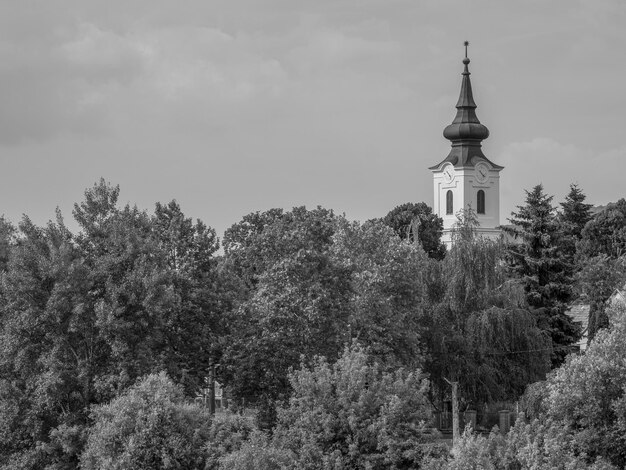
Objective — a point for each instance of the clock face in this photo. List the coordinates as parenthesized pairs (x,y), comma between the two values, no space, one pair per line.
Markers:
(482,172)
(448,173)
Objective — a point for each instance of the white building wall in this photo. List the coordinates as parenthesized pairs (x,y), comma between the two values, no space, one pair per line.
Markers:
(465,189)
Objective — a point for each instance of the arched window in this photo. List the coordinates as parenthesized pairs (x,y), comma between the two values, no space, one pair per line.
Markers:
(449,203)
(480,202)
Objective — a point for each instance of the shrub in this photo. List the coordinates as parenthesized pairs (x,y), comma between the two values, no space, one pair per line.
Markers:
(228,433)
(355,415)
(258,453)
(150,427)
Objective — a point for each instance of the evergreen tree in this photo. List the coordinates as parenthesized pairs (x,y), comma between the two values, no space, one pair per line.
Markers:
(536,259)
(575,214)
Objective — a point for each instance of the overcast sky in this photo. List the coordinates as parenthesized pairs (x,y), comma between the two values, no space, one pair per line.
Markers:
(234,106)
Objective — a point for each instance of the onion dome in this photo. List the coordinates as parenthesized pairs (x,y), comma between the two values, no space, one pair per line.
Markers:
(466,125)
(466,132)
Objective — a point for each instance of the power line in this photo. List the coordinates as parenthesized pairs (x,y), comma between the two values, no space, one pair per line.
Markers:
(520,351)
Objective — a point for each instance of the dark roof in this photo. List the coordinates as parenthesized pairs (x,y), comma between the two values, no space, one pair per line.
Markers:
(579,313)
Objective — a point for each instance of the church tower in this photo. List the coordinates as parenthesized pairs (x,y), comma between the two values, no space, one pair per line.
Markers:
(466,177)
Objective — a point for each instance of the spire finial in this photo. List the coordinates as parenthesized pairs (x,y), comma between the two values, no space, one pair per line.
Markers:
(466,60)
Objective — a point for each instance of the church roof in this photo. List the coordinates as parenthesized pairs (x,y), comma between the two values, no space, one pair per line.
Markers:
(466,132)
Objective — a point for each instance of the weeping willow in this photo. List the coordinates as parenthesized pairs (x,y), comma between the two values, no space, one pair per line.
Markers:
(507,353)
(482,333)
(475,271)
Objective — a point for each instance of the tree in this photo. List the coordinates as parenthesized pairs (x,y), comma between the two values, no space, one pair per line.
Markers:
(387,282)
(588,393)
(478,329)
(263,239)
(574,215)
(82,316)
(581,421)
(536,259)
(606,232)
(300,308)
(473,271)
(353,414)
(229,432)
(258,453)
(150,426)
(534,445)
(241,242)
(414,222)
(196,317)
(597,280)
(7,235)
(49,349)
(153,283)
(296,303)
(317,292)
(601,260)
(493,354)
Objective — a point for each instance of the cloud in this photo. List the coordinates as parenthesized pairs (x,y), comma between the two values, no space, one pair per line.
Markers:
(327,49)
(207,64)
(542,149)
(57,86)
(103,54)
(93,80)
(556,166)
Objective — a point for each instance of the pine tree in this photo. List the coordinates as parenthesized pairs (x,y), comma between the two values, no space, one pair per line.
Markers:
(537,260)
(573,218)
(576,213)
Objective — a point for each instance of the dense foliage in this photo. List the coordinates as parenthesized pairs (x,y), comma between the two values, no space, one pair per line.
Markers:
(353,414)
(318,282)
(417,223)
(321,329)
(480,332)
(83,316)
(537,258)
(601,254)
(582,418)
(150,426)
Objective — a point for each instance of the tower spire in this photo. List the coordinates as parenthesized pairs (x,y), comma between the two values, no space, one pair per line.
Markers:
(466,178)
(466,125)
(466,132)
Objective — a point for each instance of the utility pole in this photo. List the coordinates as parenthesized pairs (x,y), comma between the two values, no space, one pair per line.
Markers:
(211,388)
(455,412)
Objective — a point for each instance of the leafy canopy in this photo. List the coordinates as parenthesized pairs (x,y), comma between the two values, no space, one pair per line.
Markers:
(416,222)
(150,426)
(354,414)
